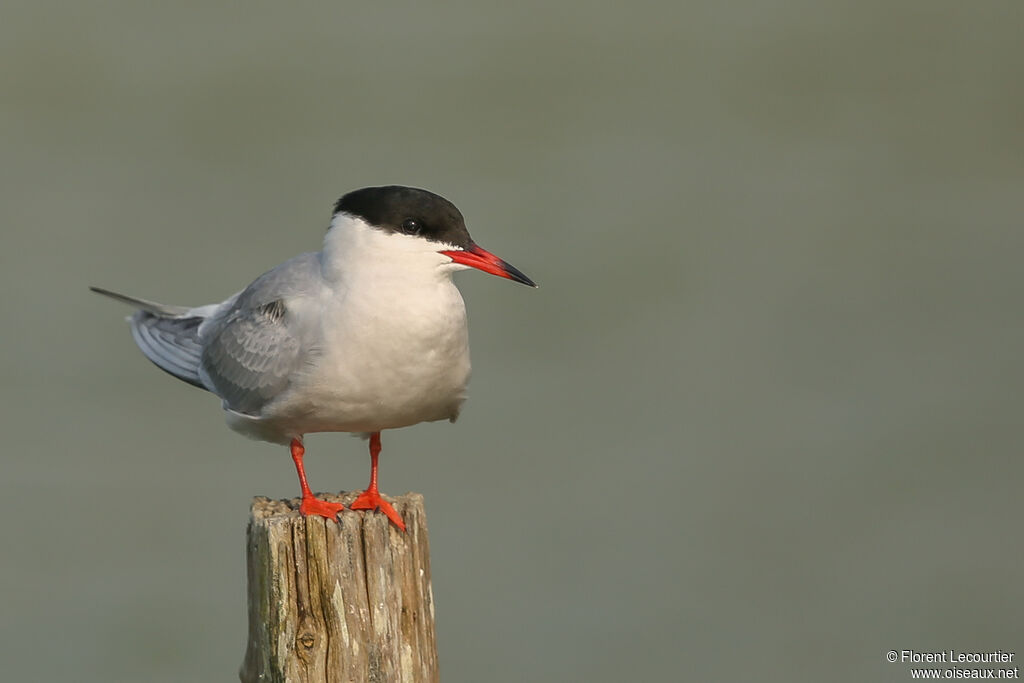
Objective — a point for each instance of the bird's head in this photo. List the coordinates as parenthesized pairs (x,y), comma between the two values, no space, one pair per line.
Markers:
(413,227)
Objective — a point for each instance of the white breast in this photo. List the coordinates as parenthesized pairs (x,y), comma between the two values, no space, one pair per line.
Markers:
(389,363)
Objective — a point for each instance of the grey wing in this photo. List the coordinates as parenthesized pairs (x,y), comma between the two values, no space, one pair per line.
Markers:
(253,346)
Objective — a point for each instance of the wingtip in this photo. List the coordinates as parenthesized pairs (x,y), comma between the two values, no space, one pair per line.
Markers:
(106,292)
(113,295)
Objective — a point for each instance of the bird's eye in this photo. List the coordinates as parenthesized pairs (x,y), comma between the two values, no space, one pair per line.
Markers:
(411,226)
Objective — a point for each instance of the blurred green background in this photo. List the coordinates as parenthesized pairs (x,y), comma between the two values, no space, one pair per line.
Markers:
(760,422)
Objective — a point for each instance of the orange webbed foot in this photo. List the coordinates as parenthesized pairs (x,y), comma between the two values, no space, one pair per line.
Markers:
(371,500)
(314,506)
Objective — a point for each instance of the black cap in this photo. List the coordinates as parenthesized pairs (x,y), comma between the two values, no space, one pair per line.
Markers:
(408,211)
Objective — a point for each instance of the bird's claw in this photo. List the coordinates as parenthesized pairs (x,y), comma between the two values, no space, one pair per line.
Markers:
(371,500)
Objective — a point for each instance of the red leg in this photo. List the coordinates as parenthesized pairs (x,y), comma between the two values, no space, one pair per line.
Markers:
(311,505)
(370,498)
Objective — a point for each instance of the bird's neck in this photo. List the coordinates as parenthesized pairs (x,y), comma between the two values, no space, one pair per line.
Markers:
(356,255)
(387,288)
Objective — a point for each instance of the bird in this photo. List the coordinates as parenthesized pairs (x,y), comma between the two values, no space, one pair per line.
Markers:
(365,335)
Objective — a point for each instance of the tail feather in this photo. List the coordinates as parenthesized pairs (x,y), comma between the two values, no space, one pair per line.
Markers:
(167,335)
(171,343)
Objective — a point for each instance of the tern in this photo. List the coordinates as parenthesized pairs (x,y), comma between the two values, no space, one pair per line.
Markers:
(367,334)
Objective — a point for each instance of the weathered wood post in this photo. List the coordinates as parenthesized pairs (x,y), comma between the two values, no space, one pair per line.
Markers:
(339,602)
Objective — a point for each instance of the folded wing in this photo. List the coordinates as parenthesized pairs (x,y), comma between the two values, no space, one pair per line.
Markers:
(252,347)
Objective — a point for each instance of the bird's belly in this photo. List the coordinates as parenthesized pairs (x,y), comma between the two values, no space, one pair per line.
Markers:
(390,399)
(396,383)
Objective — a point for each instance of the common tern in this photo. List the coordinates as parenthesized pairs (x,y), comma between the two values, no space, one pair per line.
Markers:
(367,334)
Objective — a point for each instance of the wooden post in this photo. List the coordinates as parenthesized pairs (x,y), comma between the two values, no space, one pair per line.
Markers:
(346,601)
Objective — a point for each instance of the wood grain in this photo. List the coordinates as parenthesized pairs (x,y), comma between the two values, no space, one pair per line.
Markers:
(346,601)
